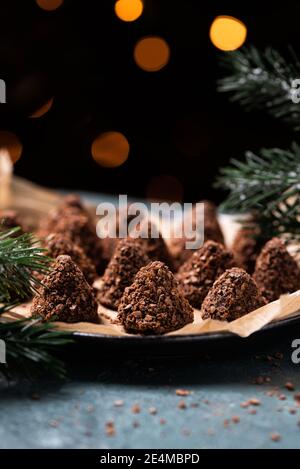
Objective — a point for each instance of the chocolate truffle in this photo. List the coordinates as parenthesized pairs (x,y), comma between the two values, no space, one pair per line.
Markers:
(155,247)
(276,272)
(233,295)
(197,275)
(212,231)
(9,219)
(59,244)
(128,258)
(65,295)
(246,247)
(153,304)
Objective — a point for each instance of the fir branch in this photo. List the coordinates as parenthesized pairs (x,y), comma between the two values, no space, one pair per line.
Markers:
(263,80)
(20,257)
(30,345)
(268,185)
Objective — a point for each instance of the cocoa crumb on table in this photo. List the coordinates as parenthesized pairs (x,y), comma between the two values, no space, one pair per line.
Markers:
(275,436)
(181,405)
(135,409)
(182,392)
(290,386)
(110,428)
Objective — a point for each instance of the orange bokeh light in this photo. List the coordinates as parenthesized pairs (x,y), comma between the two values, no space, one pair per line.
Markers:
(10,142)
(110,149)
(152,53)
(227,33)
(43,109)
(129,10)
(49,5)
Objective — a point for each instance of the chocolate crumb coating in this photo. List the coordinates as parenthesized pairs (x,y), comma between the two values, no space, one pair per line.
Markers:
(276,272)
(197,275)
(10,219)
(153,304)
(65,295)
(70,205)
(212,231)
(81,231)
(233,295)
(155,247)
(246,248)
(128,258)
(59,244)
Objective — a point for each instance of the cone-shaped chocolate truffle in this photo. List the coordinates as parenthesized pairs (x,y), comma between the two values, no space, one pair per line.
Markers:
(233,295)
(59,244)
(153,304)
(65,295)
(276,271)
(70,205)
(155,247)
(9,219)
(246,247)
(212,231)
(128,258)
(197,275)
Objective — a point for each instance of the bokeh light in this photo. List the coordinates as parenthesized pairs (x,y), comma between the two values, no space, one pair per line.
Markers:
(43,109)
(49,5)
(227,33)
(110,149)
(152,53)
(129,10)
(164,187)
(10,142)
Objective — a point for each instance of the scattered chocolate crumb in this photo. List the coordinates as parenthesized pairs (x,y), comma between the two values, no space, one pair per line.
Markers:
(252,411)
(275,437)
(282,397)
(128,258)
(110,429)
(181,405)
(235,419)
(297,398)
(254,401)
(290,386)
(61,244)
(153,303)
(233,295)
(162,421)
(65,295)
(226,423)
(292,410)
(197,275)
(118,403)
(276,272)
(244,405)
(136,409)
(182,392)
(152,410)
(54,423)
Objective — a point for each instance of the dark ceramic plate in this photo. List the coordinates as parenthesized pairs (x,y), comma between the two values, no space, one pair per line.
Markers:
(181,345)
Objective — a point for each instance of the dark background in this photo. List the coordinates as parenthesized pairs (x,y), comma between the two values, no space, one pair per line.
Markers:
(176,123)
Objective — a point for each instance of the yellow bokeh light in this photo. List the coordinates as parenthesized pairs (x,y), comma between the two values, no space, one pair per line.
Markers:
(10,142)
(43,109)
(49,5)
(110,149)
(129,10)
(152,53)
(227,33)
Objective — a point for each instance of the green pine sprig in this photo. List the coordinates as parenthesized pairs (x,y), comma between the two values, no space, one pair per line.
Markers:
(267,185)
(263,80)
